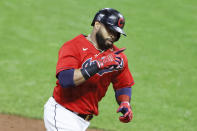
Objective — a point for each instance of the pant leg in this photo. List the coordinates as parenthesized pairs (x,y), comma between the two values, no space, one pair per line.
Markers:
(58,118)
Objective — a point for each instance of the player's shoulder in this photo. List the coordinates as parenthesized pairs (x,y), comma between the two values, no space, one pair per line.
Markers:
(74,42)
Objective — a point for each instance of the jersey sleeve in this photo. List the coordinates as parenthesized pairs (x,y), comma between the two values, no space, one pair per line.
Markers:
(123,78)
(68,58)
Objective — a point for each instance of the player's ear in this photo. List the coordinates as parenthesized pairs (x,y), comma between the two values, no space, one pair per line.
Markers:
(97,25)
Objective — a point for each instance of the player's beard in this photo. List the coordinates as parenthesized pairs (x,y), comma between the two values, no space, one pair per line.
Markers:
(102,42)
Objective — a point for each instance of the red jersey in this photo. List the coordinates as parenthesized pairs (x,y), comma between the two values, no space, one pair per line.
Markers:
(84,98)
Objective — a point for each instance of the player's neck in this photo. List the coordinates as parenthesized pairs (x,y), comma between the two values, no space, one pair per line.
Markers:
(93,41)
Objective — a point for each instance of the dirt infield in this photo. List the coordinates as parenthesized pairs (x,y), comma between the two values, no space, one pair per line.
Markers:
(16,123)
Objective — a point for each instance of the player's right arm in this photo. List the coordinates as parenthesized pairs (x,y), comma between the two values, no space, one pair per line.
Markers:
(78,77)
(75,77)
(70,78)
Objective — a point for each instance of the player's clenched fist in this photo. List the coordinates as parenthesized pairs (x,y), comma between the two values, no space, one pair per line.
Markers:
(112,59)
(125,109)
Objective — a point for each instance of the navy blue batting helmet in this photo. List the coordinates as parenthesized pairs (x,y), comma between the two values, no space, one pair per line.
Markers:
(110,18)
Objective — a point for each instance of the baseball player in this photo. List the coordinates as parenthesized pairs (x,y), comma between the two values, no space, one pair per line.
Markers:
(86,66)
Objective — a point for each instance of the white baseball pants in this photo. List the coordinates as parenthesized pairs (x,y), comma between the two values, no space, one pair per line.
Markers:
(58,118)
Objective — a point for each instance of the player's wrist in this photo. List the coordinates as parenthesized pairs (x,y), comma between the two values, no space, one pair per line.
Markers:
(125,102)
(89,71)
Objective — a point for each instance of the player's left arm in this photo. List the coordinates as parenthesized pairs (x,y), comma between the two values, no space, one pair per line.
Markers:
(123,97)
(122,84)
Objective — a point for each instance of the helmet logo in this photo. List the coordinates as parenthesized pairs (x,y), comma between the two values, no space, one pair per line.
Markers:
(121,22)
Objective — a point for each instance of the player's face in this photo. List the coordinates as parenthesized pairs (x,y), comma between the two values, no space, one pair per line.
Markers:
(105,37)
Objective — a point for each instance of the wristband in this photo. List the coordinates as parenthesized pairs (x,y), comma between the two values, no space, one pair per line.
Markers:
(123,94)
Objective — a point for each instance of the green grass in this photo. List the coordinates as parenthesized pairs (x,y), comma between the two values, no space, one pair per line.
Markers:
(161,48)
